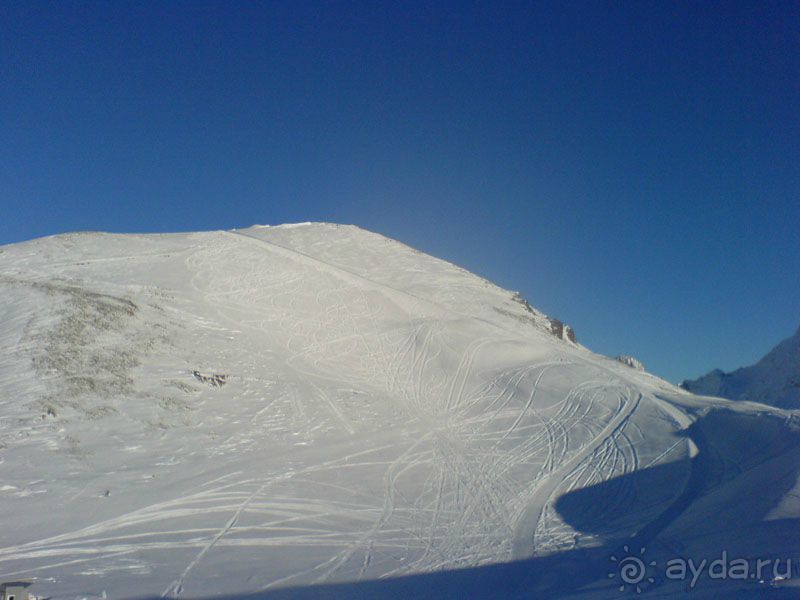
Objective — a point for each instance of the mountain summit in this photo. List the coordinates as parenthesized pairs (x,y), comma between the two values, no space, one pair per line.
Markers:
(774,380)
(320,408)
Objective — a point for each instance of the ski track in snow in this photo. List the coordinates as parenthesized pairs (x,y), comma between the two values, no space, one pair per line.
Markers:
(411,437)
(176,587)
(524,541)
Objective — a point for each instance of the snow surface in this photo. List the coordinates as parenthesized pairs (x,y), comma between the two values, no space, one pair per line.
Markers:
(319,411)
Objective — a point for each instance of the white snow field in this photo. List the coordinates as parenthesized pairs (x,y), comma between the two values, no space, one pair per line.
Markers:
(316,411)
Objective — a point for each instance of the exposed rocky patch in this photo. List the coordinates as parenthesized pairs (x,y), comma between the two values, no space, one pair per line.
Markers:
(212,379)
(562,331)
(630,362)
(85,352)
(556,326)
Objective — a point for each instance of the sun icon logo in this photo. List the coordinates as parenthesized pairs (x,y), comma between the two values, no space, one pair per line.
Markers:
(632,570)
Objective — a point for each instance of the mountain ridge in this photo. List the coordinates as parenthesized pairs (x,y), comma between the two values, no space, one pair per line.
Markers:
(773,380)
(278,408)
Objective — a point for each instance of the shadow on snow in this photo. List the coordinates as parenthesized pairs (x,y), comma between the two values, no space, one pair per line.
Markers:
(607,510)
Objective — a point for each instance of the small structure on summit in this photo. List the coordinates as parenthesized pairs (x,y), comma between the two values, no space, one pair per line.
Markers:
(15,590)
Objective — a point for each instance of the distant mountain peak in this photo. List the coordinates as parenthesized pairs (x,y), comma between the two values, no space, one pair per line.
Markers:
(774,380)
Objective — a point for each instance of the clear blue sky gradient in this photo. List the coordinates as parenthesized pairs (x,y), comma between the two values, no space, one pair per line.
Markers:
(630,167)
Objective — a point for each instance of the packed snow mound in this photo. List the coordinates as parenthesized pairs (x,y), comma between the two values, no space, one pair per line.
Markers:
(774,380)
(241,412)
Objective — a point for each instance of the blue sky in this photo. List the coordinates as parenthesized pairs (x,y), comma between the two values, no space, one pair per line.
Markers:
(630,167)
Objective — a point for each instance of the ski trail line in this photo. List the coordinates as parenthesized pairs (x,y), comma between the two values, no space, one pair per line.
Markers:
(523,543)
(348,276)
(176,587)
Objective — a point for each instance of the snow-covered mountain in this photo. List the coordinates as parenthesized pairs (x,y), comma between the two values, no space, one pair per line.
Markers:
(317,411)
(775,379)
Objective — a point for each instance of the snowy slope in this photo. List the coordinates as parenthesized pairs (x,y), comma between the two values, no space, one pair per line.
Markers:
(775,379)
(224,413)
